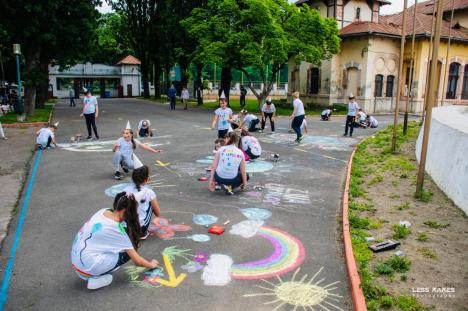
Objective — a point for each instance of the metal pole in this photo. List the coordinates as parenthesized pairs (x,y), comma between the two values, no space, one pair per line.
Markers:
(400,74)
(431,96)
(410,91)
(446,56)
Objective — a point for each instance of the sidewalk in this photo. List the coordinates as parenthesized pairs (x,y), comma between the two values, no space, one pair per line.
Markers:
(15,155)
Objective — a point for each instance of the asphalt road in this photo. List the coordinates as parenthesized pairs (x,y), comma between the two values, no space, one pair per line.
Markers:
(286,223)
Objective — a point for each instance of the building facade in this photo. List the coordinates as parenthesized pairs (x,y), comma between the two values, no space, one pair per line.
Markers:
(121,80)
(367,65)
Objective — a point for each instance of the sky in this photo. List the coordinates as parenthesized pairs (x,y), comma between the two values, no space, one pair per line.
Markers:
(396,6)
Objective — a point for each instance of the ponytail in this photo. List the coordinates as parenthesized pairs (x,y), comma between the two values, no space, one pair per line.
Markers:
(128,204)
(233,138)
(133,140)
(139,176)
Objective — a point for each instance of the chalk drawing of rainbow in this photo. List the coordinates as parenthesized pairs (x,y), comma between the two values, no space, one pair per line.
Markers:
(288,254)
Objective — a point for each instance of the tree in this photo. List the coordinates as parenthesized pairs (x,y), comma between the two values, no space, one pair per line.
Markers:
(54,30)
(141,16)
(256,33)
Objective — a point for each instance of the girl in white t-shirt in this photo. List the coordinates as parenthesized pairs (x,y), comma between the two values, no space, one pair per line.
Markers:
(228,168)
(123,152)
(107,241)
(222,118)
(146,198)
(184,96)
(250,145)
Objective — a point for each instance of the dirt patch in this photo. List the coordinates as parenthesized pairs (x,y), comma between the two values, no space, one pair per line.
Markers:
(434,246)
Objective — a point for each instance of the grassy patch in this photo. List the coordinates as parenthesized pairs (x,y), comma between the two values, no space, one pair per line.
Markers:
(384,269)
(40,115)
(427,253)
(435,225)
(422,237)
(425,196)
(403,206)
(361,206)
(400,231)
(375,180)
(399,263)
(408,303)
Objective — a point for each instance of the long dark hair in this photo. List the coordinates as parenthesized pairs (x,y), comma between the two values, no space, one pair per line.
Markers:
(139,176)
(131,138)
(233,138)
(128,203)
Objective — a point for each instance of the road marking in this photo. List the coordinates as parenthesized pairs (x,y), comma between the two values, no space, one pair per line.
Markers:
(16,240)
(173,280)
(321,155)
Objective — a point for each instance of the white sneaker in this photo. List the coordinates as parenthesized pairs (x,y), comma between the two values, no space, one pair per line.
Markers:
(100,281)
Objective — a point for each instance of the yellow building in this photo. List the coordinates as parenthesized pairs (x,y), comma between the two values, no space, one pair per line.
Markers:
(367,65)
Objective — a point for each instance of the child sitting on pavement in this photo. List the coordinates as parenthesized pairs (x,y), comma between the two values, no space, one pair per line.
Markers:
(46,137)
(144,129)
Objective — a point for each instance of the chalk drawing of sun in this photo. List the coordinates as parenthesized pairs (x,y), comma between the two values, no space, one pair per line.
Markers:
(307,295)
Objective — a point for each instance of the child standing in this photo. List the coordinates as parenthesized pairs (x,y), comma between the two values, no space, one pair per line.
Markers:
(222,118)
(184,96)
(123,152)
(46,136)
(146,198)
(91,113)
(107,241)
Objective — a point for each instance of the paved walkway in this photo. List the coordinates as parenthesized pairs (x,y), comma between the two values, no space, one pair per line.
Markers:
(282,247)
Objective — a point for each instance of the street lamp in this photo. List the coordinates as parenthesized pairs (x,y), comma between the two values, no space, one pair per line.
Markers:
(19,106)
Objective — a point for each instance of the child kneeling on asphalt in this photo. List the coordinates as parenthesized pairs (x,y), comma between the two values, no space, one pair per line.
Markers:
(46,137)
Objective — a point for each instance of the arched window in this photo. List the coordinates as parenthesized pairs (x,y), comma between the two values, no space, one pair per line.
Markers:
(465,84)
(358,13)
(378,85)
(389,88)
(314,80)
(454,70)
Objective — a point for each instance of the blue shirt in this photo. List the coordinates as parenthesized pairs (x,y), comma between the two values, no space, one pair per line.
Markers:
(90,104)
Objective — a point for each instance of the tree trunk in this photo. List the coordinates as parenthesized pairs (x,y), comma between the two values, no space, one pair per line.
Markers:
(42,92)
(32,63)
(157,79)
(167,82)
(184,73)
(199,84)
(226,78)
(144,78)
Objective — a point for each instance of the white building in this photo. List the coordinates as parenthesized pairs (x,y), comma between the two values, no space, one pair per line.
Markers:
(121,80)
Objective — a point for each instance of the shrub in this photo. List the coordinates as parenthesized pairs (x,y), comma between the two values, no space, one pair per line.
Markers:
(400,231)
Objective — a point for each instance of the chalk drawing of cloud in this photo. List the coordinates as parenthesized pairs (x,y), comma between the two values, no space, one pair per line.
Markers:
(256,213)
(246,228)
(218,270)
(204,219)
(99,146)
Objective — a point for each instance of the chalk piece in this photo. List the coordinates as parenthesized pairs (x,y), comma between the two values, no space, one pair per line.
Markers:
(216,230)
(203,178)
(226,222)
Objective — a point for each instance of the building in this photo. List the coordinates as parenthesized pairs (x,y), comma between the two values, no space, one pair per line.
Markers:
(367,65)
(121,80)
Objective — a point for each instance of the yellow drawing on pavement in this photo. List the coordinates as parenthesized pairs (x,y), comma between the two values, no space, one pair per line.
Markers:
(173,280)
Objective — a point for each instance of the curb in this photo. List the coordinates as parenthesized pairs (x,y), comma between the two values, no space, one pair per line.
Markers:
(357,295)
(30,124)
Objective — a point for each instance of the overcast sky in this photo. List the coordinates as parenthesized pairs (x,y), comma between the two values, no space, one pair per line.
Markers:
(396,6)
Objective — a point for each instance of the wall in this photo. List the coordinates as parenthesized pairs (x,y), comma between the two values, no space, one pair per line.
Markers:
(446,161)
(350,12)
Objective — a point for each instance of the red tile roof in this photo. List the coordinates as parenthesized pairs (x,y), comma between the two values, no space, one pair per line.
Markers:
(129,60)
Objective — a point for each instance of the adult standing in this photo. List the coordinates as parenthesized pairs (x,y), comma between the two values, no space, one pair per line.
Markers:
(223,117)
(353,108)
(91,113)
(229,168)
(268,111)
(297,116)
(172,96)
(243,93)
(71,94)
(184,96)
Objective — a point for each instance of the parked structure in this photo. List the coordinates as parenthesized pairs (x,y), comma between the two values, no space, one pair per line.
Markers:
(367,64)
(121,80)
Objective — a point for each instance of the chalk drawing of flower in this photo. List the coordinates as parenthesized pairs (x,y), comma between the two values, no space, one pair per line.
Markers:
(164,229)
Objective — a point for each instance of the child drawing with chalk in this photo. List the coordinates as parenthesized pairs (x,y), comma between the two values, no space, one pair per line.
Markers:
(107,241)
(46,137)
(124,152)
(146,198)
(250,145)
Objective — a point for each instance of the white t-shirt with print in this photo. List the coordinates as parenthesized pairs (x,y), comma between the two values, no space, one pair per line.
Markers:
(299,106)
(43,137)
(269,108)
(223,117)
(249,118)
(97,245)
(352,108)
(373,121)
(126,147)
(90,104)
(362,116)
(230,158)
(326,112)
(184,94)
(144,198)
(252,143)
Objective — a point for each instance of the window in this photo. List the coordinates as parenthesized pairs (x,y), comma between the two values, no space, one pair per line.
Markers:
(64,83)
(378,85)
(465,84)
(314,80)
(358,13)
(389,88)
(452,80)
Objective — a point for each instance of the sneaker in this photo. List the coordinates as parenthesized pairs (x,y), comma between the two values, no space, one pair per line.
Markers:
(345,134)
(97,137)
(89,137)
(40,147)
(145,236)
(217,187)
(228,189)
(300,138)
(125,169)
(99,281)
(5,138)
(118,176)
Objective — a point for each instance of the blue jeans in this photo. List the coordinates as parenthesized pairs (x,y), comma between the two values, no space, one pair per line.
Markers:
(120,159)
(296,125)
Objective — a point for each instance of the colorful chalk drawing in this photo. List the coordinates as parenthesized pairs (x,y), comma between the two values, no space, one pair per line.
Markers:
(105,145)
(115,189)
(300,294)
(164,229)
(192,267)
(199,237)
(288,254)
(308,142)
(246,228)
(278,194)
(204,219)
(256,213)
(217,270)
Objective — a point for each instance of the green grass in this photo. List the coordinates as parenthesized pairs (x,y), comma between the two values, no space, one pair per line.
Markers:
(422,237)
(384,269)
(427,253)
(399,264)
(403,206)
(251,105)
(408,303)
(400,231)
(435,225)
(40,115)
